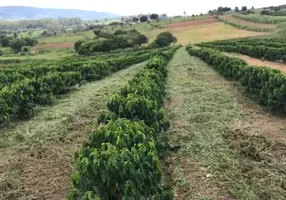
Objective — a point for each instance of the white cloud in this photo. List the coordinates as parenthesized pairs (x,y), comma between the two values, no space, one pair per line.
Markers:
(127,7)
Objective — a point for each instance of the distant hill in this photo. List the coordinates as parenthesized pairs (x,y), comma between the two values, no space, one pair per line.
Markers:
(276,7)
(22,12)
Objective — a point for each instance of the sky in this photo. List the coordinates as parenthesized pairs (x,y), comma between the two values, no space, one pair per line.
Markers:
(130,7)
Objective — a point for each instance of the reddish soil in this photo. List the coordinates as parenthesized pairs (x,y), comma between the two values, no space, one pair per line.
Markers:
(56,45)
(197,22)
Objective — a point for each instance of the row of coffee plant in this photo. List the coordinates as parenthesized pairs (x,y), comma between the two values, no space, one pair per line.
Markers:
(270,42)
(267,84)
(11,74)
(262,50)
(19,98)
(121,159)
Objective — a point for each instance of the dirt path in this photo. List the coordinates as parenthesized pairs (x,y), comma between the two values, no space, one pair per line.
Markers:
(259,62)
(37,155)
(229,147)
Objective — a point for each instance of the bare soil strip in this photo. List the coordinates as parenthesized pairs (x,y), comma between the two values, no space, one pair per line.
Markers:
(259,62)
(230,148)
(37,155)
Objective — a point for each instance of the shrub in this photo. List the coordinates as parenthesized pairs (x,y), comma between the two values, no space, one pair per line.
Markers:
(77,45)
(164,39)
(103,34)
(120,32)
(96,31)
(266,12)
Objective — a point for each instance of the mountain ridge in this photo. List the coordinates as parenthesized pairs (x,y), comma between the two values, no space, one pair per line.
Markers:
(30,13)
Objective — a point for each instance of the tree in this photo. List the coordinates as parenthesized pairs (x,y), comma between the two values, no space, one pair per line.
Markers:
(140,39)
(164,39)
(96,32)
(266,12)
(5,41)
(185,14)
(223,9)
(243,8)
(135,19)
(154,16)
(236,9)
(143,18)
(17,44)
(252,8)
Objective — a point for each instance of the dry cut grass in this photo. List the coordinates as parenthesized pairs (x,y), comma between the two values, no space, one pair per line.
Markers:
(229,147)
(209,32)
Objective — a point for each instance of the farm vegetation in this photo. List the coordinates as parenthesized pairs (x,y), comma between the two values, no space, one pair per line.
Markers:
(121,158)
(22,89)
(268,49)
(106,42)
